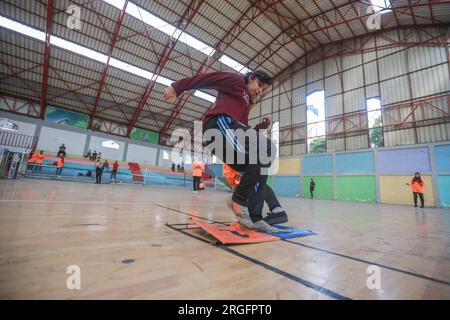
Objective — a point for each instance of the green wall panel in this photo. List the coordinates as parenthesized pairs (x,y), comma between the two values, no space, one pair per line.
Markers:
(323,188)
(356,188)
(269,181)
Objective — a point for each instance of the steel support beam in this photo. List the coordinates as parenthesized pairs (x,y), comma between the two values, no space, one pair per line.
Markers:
(106,66)
(48,27)
(187,17)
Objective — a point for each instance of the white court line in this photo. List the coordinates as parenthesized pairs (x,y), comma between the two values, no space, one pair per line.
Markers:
(104,202)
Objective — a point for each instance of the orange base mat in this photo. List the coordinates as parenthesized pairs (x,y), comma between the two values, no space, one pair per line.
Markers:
(234,233)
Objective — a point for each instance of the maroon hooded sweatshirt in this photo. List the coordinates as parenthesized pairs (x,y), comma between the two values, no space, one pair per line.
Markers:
(233,99)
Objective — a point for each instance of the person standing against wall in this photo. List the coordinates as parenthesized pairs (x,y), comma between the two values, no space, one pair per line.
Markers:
(197,170)
(105,165)
(114,170)
(59,165)
(312,185)
(417,185)
(39,160)
(31,161)
(98,173)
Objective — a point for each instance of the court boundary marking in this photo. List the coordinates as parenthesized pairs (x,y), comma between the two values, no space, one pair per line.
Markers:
(285,274)
(410,273)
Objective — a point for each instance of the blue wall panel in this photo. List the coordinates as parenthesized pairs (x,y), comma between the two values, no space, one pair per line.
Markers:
(355,162)
(286,186)
(217,169)
(442,154)
(444,191)
(317,164)
(404,161)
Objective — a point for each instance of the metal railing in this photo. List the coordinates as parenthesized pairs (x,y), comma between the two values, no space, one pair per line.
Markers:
(69,173)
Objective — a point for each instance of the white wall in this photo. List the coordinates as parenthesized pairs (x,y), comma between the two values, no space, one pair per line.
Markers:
(24,127)
(165,162)
(96,144)
(50,139)
(141,154)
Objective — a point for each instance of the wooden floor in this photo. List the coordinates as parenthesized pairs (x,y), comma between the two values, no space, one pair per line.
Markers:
(117,235)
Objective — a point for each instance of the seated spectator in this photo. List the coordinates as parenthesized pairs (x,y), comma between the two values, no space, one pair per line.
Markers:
(94,156)
(88,154)
(99,156)
(62,150)
(173,167)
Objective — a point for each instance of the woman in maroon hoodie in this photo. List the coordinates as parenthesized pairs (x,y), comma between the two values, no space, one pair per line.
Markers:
(229,113)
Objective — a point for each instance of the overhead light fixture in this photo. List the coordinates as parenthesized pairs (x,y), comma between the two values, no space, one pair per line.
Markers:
(8,125)
(91,54)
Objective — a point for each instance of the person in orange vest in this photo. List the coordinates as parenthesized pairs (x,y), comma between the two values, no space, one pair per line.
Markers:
(417,185)
(59,164)
(232,176)
(31,161)
(39,159)
(276,213)
(197,170)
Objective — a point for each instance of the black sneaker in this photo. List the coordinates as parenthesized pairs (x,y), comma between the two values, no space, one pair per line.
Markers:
(276,218)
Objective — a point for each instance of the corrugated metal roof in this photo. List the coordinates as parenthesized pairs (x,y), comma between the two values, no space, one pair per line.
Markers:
(31,13)
(170,11)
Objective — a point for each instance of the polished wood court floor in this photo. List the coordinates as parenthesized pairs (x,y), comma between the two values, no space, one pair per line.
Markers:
(131,242)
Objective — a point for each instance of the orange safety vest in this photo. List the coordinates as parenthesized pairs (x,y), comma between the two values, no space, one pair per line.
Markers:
(59,163)
(417,187)
(233,178)
(39,158)
(197,168)
(32,159)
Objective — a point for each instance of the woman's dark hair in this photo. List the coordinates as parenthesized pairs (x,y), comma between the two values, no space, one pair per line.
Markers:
(260,75)
(418,179)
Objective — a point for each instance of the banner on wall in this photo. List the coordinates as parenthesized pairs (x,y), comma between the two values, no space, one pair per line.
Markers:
(144,135)
(66,117)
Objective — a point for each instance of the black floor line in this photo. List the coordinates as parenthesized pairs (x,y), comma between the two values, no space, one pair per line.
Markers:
(285,274)
(190,215)
(353,258)
(370,263)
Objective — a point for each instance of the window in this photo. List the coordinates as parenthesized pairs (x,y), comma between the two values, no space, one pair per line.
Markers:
(315,116)
(375,122)
(233,64)
(380,4)
(110,144)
